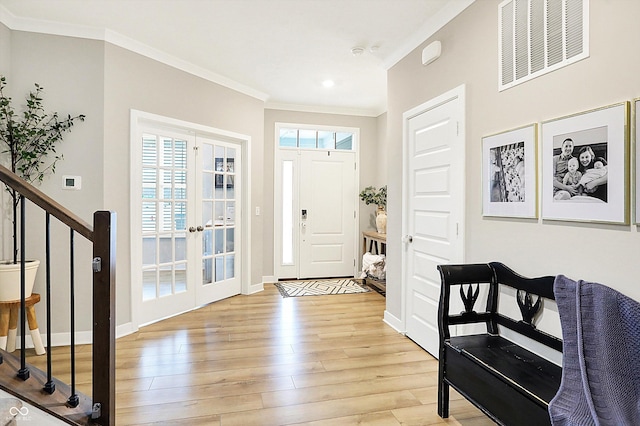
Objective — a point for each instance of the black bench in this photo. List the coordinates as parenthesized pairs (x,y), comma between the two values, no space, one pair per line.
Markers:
(510,384)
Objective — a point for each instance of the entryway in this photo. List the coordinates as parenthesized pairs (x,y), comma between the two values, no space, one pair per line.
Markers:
(433,225)
(315,205)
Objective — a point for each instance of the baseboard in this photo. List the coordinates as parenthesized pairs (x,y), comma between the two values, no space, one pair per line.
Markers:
(255,288)
(269,279)
(394,322)
(125,329)
(81,338)
(58,339)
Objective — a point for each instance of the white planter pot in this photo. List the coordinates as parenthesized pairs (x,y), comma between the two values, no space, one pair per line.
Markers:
(10,279)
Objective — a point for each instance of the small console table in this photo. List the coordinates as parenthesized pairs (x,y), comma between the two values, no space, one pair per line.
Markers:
(377,244)
(374,238)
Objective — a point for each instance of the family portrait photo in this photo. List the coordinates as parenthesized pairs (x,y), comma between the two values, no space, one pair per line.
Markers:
(585,167)
(580,166)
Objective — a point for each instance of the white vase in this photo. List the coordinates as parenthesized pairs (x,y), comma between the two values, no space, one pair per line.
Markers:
(381,221)
(10,279)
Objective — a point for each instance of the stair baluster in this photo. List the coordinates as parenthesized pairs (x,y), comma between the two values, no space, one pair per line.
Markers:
(50,386)
(23,373)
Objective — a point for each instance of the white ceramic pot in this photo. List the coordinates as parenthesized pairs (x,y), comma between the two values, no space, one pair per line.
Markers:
(381,221)
(10,279)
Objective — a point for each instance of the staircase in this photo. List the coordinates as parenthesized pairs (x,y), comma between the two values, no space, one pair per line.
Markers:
(39,388)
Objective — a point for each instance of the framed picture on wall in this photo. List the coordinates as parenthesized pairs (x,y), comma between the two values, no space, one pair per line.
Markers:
(585,166)
(509,183)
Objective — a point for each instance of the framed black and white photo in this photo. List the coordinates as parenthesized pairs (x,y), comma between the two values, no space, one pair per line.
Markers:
(585,171)
(509,184)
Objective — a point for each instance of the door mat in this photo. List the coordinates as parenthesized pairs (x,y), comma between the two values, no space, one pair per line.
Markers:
(320,287)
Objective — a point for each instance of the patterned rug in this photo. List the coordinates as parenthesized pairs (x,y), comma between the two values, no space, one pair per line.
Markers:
(319,287)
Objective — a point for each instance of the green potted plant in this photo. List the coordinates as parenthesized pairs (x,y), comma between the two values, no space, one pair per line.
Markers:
(28,147)
(371,195)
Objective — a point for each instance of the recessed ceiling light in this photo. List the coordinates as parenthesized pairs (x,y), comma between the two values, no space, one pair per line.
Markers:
(357,51)
(328,83)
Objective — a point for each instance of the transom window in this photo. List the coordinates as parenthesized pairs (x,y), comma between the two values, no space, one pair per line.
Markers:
(315,139)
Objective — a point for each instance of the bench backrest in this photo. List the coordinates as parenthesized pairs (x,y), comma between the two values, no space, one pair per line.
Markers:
(530,295)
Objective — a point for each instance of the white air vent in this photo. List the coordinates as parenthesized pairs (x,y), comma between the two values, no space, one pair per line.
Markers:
(540,36)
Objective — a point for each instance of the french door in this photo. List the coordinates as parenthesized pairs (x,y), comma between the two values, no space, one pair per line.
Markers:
(187,250)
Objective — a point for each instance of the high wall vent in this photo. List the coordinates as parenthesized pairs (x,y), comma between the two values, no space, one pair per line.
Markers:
(540,36)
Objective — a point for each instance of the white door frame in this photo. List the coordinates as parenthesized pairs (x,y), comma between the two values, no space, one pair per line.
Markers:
(277,192)
(138,118)
(458,92)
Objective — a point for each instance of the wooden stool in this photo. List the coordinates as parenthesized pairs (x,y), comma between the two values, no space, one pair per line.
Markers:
(9,317)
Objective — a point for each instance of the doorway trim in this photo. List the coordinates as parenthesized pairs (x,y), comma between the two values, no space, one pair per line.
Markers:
(458,92)
(277,191)
(138,118)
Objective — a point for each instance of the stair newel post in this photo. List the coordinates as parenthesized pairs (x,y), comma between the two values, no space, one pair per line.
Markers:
(23,373)
(73,400)
(104,318)
(50,386)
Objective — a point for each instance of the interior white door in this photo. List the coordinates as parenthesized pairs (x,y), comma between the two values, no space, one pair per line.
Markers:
(327,214)
(434,176)
(165,246)
(217,222)
(186,215)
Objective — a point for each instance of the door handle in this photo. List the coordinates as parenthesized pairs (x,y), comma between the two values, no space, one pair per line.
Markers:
(408,239)
(192,229)
(200,228)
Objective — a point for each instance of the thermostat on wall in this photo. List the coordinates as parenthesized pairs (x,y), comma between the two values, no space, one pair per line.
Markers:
(71,182)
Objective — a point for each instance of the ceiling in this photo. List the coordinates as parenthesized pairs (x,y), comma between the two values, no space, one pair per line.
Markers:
(280,51)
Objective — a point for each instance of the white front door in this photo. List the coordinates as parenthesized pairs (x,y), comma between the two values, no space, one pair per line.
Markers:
(434,218)
(315,212)
(186,221)
(327,214)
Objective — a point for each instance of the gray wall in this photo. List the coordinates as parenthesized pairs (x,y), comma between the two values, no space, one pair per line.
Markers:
(70,71)
(370,169)
(5,70)
(105,82)
(5,50)
(596,252)
(136,82)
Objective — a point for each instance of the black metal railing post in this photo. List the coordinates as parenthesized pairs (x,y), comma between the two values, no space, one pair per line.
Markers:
(50,386)
(23,373)
(73,400)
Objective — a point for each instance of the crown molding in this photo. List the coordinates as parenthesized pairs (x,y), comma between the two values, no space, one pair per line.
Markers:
(360,112)
(108,36)
(429,28)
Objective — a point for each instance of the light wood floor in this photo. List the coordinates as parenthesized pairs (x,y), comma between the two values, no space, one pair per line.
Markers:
(266,360)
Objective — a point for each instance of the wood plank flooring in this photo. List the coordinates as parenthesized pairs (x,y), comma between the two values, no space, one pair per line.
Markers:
(267,360)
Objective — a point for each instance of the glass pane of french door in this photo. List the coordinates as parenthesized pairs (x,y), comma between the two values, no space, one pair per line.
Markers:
(164,216)
(219,175)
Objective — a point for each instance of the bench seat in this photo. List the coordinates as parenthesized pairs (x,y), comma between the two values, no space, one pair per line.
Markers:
(509,383)
(496,369)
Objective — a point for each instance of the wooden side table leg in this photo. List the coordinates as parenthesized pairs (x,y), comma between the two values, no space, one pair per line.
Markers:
(35,332)
(4,327)
(13,328)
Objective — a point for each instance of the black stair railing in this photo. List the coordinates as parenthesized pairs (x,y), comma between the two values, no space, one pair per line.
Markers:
(102,237)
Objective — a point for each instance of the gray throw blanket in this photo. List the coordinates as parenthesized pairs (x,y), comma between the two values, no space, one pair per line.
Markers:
(601,356)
